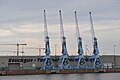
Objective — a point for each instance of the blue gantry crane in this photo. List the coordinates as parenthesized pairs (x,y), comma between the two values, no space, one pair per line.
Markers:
(97,63)
(64,59)
(80,60)
(47,60)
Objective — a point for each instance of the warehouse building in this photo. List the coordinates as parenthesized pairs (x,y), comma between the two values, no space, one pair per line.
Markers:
(35,62)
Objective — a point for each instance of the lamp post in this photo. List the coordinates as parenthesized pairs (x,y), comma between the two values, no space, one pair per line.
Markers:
(55,59)
(55,49)
(114,48)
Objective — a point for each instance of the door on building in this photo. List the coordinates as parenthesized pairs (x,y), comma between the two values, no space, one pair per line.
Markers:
(14,66)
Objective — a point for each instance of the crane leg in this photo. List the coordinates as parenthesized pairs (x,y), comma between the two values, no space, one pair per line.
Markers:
(47,63)
(80,61)
(96,62)
(64,62)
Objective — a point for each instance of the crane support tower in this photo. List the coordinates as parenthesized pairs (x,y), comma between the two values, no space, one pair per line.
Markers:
(64,59)
(47,60)
(79,60)
(97,63)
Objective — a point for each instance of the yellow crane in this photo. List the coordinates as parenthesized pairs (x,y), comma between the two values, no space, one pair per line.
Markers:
(18,47)
(38,48)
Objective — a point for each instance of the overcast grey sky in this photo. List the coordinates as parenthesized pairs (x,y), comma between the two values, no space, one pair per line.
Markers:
(21,21)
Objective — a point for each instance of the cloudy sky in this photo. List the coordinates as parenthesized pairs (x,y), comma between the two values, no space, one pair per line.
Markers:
(21,21)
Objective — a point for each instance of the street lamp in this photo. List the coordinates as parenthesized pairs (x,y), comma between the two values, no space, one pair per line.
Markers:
(114,47)
(55,54)
(55,49)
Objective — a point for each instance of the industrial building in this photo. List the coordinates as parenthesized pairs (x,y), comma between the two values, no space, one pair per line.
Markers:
(35,62)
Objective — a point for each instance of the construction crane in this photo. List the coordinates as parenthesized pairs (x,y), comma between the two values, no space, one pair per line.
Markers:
(87,52)
(37,48)
(80,60)
(18,47)
(7,51)
(97,63)
(47,61)
(64,59)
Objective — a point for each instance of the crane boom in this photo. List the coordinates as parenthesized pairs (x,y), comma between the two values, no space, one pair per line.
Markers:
(80,49)
(91,24)
(45,25)
(47,46)
(61,25)
(77,28)
(63,38)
